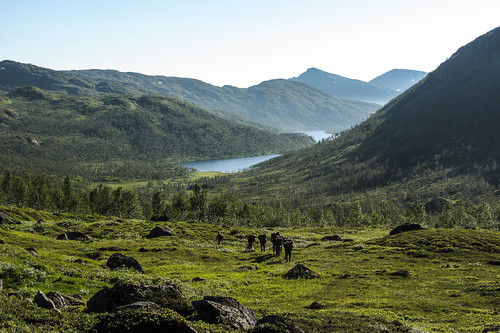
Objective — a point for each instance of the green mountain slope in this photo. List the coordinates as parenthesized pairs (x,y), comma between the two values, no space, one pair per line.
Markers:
(425,141)
(288,106)
(63,130)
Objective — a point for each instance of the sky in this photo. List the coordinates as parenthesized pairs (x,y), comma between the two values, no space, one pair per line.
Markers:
(241,42)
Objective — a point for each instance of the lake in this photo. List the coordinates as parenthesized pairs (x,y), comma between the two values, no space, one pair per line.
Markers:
(238,164)
(228,164)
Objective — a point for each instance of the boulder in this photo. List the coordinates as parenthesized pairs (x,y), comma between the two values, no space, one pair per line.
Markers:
(331,238)
(160,231)
(165,296)
(136,305)
(6,219)
(43,301)
(276,323)
(74,235)
(405,228)
(118,260)
(402,273)
(58,299)
(32,251)
(301,271)
(224,310)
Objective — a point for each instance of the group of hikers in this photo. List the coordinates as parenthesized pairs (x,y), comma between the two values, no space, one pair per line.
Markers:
(279,243)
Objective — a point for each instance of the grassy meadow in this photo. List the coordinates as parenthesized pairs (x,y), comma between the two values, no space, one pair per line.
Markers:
(452,283)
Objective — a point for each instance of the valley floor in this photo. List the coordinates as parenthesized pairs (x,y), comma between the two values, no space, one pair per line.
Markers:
(436,280)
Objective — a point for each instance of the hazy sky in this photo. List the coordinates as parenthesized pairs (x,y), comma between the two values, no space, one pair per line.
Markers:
(241,42)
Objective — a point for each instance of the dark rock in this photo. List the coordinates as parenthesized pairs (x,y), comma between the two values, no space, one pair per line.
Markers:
(405,228)
(166,296)
(118,260)
(1,241)
(436,206)
(160,231)
(301,271)
(198,279)
(136,305)
(58,299)
(43,301)
(74,235)
(224,310)
(403,273)
(94,255)
(276,323)
(316,305)
(32,251)
(6,219)
(331,238)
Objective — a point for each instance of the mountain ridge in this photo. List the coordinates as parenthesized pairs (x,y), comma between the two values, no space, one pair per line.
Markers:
(379,90)
(299,106)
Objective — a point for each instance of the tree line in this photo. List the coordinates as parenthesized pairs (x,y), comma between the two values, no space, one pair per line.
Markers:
(195,203)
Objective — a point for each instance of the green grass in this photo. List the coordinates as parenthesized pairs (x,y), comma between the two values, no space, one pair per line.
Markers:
(451,286)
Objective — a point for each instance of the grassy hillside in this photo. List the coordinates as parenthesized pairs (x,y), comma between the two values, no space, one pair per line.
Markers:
(420,281)
(438,138)
(58,132)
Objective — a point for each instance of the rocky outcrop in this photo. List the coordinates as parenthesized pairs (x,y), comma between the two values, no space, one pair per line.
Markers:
(43,301)
(160,231)
(74,235)
(301,271)
(118,260)
(165,296)
(136,305)
(405,228)
(224,310)
(57,299)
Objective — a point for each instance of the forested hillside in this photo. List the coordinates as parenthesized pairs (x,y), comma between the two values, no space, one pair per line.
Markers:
(289,106)
(59,133)
(440,137)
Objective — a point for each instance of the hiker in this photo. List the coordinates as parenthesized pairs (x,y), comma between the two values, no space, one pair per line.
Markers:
(278,245)
(288,245)
(262,240)
(251,239)
(273,240)
(219,238)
